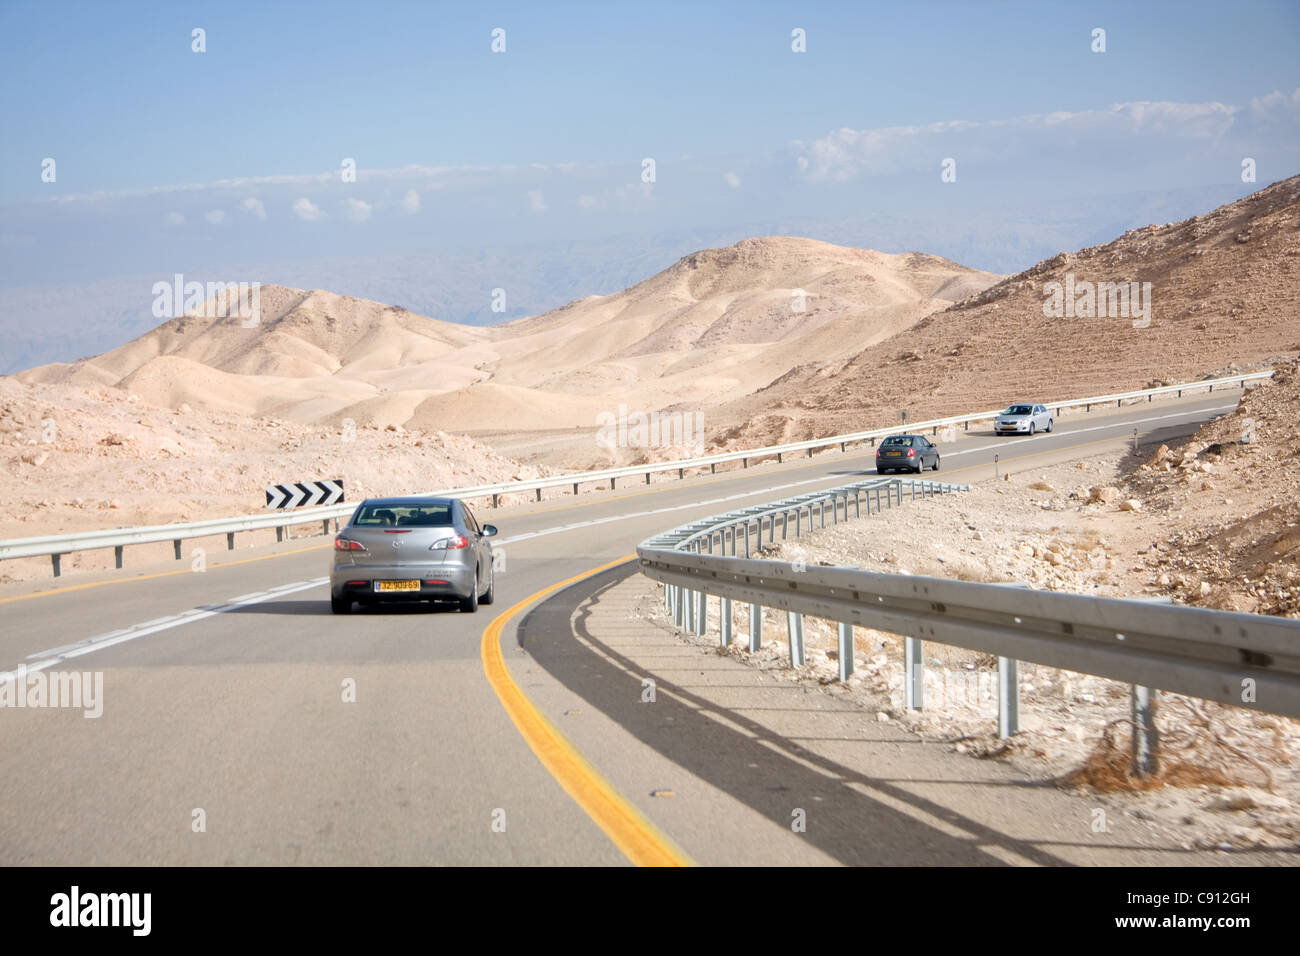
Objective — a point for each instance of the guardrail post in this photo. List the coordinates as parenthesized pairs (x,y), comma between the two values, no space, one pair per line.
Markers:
(675,599)
(668,598)
(835,511)
(914,673)
(575,487)
(681,473)
(55,560)
(744,463)
(785,524)
(846,650)
(702,612)
(798,521)
(1146,738)
(325,526)
(230,541)
(755,627)
(539,494)
(688,610)
(779,459)
(821,511)
(279,534)
(496,501)
(746,537)
(176,548)
(613,483)
(117,556)
(1008,696)
(725,621)
(794,624)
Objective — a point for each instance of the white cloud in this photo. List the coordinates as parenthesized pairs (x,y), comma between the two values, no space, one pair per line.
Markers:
(254,205)
(307,210)
(536,201)
(357,210)
(846,153)
(588,202)
(175,219)
(215,216)
(636,191)
(732,180)
(411,202)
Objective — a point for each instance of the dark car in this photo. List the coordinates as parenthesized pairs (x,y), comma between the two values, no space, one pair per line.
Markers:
(412,549)
(906,453)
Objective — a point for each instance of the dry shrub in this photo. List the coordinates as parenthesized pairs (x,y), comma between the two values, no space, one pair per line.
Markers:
(1194,750)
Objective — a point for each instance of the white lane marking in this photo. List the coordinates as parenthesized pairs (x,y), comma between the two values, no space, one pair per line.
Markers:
(121,636)
(195,614)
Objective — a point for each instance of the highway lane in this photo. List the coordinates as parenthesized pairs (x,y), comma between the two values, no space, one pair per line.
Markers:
(241,714)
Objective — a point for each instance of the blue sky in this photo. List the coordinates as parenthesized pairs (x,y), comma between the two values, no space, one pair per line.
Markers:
(170,160)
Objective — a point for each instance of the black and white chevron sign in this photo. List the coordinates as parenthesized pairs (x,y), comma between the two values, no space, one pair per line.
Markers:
(304,494)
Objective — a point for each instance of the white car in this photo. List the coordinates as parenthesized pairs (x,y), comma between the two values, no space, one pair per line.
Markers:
(1023,419)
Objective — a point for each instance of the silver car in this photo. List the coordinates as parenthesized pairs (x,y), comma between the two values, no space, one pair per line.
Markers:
(1023,420)
(412,549)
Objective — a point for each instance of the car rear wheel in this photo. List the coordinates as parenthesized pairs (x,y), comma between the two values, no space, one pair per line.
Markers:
(1049,424)
(936,462)
(341,605)
(470,604)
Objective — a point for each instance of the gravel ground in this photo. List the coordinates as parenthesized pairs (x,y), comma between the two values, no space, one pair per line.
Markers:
(1228,777)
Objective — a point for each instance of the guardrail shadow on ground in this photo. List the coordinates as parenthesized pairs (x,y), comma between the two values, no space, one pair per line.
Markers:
(767,772)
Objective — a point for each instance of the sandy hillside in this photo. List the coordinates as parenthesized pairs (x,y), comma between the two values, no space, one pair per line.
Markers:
(74,458)
(1226,505)
(719,323)
(1225,291)
(313,357)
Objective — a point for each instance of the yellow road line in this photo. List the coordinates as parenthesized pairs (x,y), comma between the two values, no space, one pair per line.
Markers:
(158,574)
(638,839)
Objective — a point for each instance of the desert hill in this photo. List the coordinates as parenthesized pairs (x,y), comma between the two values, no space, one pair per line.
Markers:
(717,324)
(1224,291)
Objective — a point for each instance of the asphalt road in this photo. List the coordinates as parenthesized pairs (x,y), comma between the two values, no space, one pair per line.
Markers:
(233,699)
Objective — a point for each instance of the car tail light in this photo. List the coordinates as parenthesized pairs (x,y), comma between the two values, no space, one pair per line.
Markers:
(357,584)
(435,581)
(911,453)
(449,544)
(347,544)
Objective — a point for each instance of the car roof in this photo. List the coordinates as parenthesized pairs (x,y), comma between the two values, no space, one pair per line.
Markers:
(904,435)
(409,502)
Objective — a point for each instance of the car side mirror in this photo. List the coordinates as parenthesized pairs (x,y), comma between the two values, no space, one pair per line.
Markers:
(489,530)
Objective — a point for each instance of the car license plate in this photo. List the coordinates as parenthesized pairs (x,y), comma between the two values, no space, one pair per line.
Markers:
(397,585)
(894,454)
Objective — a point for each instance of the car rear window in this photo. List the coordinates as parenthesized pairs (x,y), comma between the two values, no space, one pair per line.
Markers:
(402,516)
(898,440)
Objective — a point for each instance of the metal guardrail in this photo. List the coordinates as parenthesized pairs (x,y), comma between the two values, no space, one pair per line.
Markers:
(1247,660)
(118,538)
